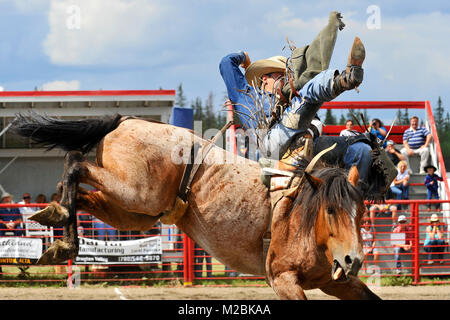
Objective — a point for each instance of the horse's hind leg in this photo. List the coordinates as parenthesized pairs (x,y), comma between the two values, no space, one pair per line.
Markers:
(67,248)
(97,204)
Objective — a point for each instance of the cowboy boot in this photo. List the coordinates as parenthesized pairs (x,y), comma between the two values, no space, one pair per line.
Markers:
(352,76)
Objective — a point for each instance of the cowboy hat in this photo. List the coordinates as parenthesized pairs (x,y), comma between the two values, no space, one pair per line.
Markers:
(5,194)
(434,217)
(429,166)
(258,68)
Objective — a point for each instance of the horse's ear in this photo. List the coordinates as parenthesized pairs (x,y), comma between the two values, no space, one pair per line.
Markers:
(313,181)
(353,176)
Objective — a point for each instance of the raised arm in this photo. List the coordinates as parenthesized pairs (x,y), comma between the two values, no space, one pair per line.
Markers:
(237,86)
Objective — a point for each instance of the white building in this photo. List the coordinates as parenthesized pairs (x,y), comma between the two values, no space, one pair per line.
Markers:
(24,168)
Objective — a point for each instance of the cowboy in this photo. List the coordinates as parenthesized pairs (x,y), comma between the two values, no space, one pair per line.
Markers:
(264,81)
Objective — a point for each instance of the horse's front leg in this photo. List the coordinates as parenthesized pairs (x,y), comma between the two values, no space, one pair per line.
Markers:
(286,286)
(61,251)
(353,289)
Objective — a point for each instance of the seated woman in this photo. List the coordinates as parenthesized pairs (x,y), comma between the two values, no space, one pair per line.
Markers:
(400,185)
(377,128)
(434,242)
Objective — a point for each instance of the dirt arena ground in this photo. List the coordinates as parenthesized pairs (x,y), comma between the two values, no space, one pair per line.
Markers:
(204,293)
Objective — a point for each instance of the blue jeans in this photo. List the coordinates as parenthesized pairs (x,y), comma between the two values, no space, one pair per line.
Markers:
(103,229)
(401,192)
(433,194)
(432,246)
(398,256)
(358,154)
(313,94)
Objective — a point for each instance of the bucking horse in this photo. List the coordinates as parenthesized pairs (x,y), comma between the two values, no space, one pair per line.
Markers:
(136,177)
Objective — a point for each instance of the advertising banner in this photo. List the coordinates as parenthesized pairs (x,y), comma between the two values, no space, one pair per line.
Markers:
(141,251)
(17,250)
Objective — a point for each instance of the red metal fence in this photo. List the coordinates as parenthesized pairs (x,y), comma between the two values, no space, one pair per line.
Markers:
(185,262)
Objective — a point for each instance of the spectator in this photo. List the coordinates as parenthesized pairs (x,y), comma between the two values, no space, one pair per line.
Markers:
(10,218)
(431,181)
(55,197)
(201,255)
(415,141)
(402,236)
(41,198)
(369,242)
(383,209)
(434,241)
(348,131)
(400,185)
(27,211)
(84,224)
(377,128)
(104,231)
(394,154)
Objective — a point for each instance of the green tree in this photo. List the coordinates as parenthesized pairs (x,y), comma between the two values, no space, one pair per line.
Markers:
(330,119)
(209,119)
(439,117)
(399,117)
(405,118)
(196,105)
(342,119)
(180,99)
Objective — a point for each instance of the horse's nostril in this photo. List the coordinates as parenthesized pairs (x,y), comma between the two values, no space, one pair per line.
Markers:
(348,260)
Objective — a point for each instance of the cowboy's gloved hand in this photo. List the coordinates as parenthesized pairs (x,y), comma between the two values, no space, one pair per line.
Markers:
(247,61)
(336,17)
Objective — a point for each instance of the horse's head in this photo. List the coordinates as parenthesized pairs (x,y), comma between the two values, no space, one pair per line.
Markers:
(332,208)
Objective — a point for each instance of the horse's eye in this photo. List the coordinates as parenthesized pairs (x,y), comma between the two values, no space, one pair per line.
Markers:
(330,210)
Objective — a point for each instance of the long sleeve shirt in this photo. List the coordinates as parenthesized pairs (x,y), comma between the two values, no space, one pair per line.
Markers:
(239,90)
(429,178)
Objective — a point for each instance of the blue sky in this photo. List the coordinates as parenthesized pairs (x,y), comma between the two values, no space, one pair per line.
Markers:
(148,44)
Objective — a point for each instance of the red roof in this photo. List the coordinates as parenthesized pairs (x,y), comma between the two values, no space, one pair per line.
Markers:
(87,93)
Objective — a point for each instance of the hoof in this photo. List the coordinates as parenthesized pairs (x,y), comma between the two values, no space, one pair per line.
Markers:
(58,253)
(54,215)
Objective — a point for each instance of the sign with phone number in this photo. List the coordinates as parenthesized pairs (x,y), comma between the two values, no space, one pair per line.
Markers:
(141,251)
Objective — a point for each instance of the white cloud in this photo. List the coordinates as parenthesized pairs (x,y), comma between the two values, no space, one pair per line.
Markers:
(110,31)
(61,86)
(406,59)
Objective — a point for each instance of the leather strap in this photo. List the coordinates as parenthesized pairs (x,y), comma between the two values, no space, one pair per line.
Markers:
(192,167)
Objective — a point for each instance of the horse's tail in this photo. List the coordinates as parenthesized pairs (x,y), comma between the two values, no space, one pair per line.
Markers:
(68,135)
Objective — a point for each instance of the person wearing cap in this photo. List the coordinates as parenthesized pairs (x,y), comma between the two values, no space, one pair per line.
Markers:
(260,96)
(393,154)
(10,218)
(416,141)
(400,249)
(434,242)
(431,182)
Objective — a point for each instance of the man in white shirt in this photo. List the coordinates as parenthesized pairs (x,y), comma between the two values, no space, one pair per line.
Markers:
(27,211)
(348,131)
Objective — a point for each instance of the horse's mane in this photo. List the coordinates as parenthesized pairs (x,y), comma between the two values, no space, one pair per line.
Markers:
(336,193)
